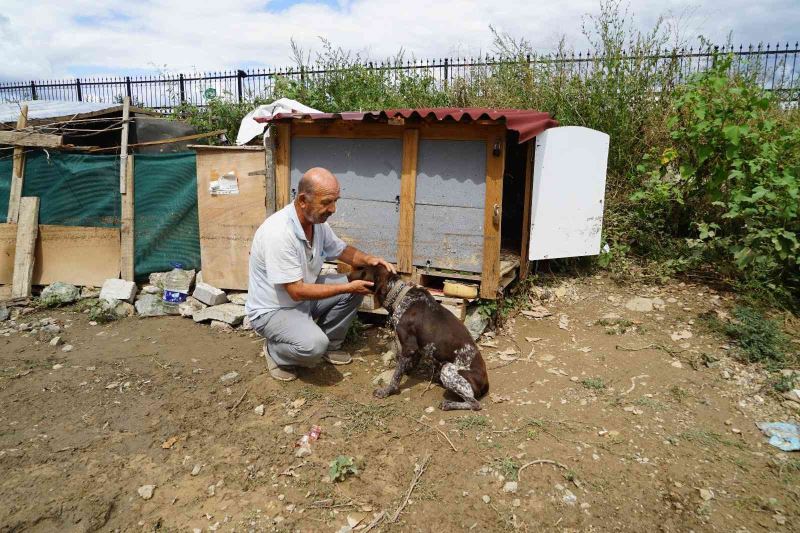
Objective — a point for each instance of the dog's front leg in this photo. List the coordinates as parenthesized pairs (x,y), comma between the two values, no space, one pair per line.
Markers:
(405,358)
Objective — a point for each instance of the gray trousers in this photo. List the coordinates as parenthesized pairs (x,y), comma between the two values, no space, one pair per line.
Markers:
(301,335)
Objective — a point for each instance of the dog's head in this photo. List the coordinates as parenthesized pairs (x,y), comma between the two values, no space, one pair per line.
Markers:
(379,275)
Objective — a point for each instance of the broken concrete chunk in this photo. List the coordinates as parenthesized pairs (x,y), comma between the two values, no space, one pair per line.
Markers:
(151,289)
(153,305)
(89,292)
(190,307)
(146,491)
(229,313)
(238,298)
(209,294)
(60,293)
(118,289)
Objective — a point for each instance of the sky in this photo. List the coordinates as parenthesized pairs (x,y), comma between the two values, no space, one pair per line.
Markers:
(55,39)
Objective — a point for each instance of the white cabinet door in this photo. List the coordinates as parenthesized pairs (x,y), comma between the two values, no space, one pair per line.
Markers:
(569,180)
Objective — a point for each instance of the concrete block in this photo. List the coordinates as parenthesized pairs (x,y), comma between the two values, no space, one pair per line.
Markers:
(118,289)
(209,294)
(153,305)
(229,313)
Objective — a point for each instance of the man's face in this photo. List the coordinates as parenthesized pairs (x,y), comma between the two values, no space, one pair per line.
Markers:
(320,205)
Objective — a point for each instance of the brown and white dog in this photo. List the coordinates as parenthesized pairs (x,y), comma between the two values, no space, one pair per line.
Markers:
(423,327)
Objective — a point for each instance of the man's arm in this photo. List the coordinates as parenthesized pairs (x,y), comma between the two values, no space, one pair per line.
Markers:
(356,258)
(299,290)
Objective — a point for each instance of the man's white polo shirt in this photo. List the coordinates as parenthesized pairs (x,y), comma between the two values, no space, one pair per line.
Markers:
(281,254)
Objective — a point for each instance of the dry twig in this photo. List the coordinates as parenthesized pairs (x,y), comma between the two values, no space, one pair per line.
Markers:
(633,384)
(539,462)
(442,433)
(418,471)
(375,522)
(233,408)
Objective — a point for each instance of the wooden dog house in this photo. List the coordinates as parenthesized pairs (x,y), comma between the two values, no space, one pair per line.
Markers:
(443,193)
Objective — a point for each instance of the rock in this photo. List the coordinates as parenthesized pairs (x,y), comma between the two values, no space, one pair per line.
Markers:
(388,358)
(229,313)
(89,292)
(516,502)
(681,335)
(706,495)
(212,490)
(510,486)
(67,348)
(288,429)
(177,279)
(46,333)
(118,289)
(229,378)
(259,410)
(476,322)
(58,366)
(209,294)
(676,364)
(55,341)
(151,289)
(153,305)
(383,378)
(124,309)
(429,410)
(640,305)
(190,307)
(569,498)
(157,279)
(60,293)
(4,313)
(246,325)
(238,298)
(196,469)
(146,491)
(793,395)
(221,326)
(791,405)
(486,499)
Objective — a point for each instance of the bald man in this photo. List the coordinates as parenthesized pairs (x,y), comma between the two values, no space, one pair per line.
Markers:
(302,315)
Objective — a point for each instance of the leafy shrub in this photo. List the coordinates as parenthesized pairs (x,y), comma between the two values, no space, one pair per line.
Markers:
(759,339)
(342,467)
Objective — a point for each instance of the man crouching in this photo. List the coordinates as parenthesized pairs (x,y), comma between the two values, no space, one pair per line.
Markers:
(302,315)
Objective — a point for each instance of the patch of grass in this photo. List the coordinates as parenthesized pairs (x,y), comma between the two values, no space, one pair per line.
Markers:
(472,422)
(782,383)
(758,338)
(709,438)
(680,394)
(508,467)
(355,333)
(359,418)
(650,403)
(593,383)
(615,326)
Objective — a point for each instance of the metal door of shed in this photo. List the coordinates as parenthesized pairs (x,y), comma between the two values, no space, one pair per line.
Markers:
(367,214)
(451,192)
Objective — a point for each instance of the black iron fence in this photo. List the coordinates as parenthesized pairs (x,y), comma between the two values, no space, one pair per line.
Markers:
(774,68)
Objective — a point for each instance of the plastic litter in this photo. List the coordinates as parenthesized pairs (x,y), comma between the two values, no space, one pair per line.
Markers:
(303,445)
(782,435)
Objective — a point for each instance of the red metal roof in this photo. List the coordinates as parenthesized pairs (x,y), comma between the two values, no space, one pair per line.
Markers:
(528,123)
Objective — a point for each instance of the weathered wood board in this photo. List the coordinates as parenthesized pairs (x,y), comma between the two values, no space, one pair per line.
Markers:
(72,254)
(229,221)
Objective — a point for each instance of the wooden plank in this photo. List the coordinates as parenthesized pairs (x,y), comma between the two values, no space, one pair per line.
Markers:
(456,132)
(283,161)
(344,129)
(408,195)
(437,273)
(492,214)
(126,233)
(29,138)
(25,248)
(228,222)
(164,141)
(17,171)
(524,263)
(123,145)
(72,254)
(269,171)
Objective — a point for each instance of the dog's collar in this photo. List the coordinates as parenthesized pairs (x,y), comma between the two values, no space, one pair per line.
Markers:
(397,293)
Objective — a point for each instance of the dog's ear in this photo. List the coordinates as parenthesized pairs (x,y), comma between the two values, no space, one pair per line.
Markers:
(355,274)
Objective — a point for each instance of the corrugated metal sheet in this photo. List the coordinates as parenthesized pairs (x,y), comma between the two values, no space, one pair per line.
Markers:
(50,109)
(527,122)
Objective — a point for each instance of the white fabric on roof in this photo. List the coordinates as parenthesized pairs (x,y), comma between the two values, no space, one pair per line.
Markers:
(249,128)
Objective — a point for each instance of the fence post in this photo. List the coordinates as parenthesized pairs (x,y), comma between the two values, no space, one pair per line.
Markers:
(240,75)
(78,89)
(182,89)
(33,90)
(446,71)
(128,85)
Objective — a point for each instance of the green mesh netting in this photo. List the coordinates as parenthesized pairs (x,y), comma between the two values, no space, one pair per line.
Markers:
(5,184)
(166,228)
(74,189)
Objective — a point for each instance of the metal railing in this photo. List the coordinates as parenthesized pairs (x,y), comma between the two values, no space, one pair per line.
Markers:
(774,68)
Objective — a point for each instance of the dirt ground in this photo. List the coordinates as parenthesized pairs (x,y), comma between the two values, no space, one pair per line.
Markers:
(633,431)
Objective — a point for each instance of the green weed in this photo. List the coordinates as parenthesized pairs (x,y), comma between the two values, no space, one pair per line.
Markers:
(472,422)
(593,383)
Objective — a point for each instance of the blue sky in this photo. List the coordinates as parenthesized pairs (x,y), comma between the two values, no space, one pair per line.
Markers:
(49,39)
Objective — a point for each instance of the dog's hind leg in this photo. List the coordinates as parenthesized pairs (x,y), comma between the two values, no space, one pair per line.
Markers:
(455,382)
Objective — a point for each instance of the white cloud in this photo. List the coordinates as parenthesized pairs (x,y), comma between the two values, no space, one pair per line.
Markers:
(50,39)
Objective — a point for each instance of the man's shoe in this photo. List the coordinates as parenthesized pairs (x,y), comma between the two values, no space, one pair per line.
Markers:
(338,357)
(278,372)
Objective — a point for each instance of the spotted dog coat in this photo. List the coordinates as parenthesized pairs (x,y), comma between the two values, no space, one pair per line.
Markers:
(424,328)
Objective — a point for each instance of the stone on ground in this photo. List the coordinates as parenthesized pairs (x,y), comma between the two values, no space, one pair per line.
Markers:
(146,491)
(238,298)
(118,289)
(4,313)
(209,295)
(221,326)
(153,305)
(383,378)
(229,313)
(188,308)
(476,322)
(46,333)
(89,292)
(60,293)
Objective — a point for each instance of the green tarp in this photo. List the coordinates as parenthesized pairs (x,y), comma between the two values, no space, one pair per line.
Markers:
(83,190)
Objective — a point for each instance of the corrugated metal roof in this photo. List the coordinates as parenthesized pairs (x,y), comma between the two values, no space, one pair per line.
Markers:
(527,122)
(49,109)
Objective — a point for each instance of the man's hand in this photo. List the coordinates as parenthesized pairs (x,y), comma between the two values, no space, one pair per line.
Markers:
(375,261)
(359,286)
